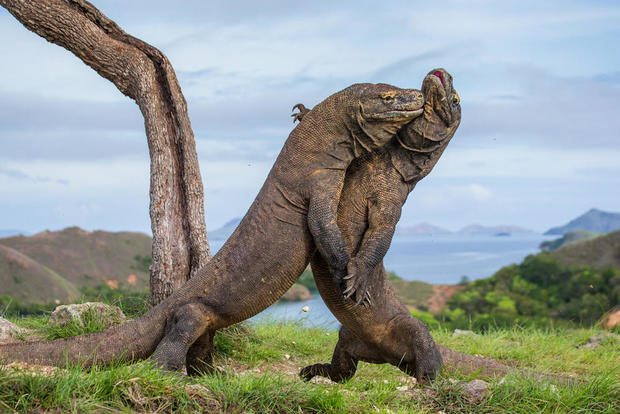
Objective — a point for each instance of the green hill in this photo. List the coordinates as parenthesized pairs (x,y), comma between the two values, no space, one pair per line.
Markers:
(599,252)
(28,281)
(89,258)
(570,237)
(55,265)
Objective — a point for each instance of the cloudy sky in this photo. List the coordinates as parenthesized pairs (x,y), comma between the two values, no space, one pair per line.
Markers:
(539,82)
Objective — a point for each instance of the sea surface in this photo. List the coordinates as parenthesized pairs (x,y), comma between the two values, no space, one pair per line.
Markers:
(439,259)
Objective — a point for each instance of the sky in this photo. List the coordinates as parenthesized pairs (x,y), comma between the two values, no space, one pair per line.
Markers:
(539,141)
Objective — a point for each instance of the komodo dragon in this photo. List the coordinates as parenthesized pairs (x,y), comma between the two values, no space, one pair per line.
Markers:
(375,189)
(294,211)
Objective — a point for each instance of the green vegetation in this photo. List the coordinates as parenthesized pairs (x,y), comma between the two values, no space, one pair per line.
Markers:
(257,376)
(143,263)
(538,291)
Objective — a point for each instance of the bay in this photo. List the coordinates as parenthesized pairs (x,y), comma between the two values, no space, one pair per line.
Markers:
(439,259)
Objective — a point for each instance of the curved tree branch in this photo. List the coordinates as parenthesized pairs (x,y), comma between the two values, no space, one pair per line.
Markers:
(140,71)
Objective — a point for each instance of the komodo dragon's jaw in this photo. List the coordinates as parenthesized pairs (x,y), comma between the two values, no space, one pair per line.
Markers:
(377,111)
(386,103)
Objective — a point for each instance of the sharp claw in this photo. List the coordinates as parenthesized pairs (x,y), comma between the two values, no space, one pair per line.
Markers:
(360,301)
(347,277)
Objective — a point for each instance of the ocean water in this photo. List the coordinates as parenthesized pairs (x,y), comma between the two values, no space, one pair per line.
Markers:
(445,259)
(440,259)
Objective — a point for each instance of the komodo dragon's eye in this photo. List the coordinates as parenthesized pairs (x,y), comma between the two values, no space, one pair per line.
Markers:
(387,97)
(456,100)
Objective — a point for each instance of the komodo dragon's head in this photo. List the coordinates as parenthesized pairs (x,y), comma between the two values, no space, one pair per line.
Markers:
(442,109)
(421,142)
(377,111)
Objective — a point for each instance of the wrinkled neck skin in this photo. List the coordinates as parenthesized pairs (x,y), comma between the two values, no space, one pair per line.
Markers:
(417,147)
(414,156)
(368,134)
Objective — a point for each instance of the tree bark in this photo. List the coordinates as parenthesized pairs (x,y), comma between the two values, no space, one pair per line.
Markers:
(143,73)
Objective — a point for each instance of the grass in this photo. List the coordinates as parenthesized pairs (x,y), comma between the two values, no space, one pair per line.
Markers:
(259,375)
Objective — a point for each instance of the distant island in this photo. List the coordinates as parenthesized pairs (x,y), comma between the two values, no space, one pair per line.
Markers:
(472,229)
(501,230)
(420,229)
(594,220)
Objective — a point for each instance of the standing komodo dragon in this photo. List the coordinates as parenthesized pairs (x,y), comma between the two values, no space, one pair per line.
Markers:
(376,187)
(294,211)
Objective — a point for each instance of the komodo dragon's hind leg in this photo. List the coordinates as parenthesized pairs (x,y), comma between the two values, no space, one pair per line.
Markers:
(200,355)
(185,326)
(343,365)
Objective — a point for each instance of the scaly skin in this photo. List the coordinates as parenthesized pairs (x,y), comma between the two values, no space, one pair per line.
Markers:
(294,211)
(376,187)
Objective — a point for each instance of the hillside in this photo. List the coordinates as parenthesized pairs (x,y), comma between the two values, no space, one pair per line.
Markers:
(28,281)
(87,259)
(599,252)
(593,220)
(570,237)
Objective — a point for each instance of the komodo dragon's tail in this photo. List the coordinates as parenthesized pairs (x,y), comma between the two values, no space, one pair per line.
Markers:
(136,339)
(488,368)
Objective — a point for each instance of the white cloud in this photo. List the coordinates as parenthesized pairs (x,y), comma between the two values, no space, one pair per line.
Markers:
(537,81)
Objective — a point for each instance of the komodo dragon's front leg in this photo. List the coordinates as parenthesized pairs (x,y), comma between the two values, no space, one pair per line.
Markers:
(322,211)
(383,214)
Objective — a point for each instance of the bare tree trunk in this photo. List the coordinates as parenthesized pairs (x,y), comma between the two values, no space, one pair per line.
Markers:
(180,245)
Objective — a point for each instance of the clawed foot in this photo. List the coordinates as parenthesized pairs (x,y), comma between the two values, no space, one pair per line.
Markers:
(297,117)
(309,372)
(356,283)
(428,364)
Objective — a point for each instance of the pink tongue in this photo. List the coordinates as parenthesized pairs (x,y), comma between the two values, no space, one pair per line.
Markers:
(440,76)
